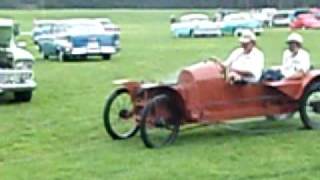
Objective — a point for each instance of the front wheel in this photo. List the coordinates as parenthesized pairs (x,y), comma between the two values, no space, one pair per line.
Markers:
(23,96)
(159,122)
(62,56)
(310,107)
(118,115)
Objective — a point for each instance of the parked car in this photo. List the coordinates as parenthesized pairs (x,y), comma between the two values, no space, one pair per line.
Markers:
(264,15)
(16,75)
(306,21)
(203,96)
(283,18)
(236,23)
(195,25)
(79,38)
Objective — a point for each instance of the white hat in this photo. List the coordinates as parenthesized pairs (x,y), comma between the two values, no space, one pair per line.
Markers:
(295,37)
(247,36)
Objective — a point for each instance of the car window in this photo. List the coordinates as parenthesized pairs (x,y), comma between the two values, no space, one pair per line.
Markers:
(281,16)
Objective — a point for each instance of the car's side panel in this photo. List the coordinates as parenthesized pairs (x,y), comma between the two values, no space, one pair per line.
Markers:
(209,98)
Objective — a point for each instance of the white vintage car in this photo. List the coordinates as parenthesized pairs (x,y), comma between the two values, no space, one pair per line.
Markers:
(265,15)
(194,25)
(16,75)
(283,18)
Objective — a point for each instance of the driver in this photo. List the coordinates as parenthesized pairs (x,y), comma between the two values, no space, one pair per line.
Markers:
(245,64)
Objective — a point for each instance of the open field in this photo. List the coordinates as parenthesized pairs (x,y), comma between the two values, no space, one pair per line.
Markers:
(60,134)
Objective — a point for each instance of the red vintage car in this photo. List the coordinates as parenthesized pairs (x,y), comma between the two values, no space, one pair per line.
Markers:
(306,21)
(202,95)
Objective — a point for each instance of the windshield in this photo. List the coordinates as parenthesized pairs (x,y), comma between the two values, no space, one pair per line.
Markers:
(5,36)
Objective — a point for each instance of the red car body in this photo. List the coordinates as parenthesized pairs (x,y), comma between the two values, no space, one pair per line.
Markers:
(307,21)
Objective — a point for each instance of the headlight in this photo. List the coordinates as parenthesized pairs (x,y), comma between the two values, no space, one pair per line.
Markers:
(26,76)
(117,42)
(24,65)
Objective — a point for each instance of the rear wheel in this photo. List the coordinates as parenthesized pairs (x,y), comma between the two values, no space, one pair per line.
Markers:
(106,56)
(23,96)
(159,123)
(118,115)
(310,107)
(191,34)
(44,55)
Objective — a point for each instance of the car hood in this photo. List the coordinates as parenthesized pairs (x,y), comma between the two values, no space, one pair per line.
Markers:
(5,36)
(20,54)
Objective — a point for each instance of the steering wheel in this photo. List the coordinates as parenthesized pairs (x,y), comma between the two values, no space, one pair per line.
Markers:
(225,69)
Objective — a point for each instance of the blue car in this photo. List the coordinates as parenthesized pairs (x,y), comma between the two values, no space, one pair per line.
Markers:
(71,39)
(235,23)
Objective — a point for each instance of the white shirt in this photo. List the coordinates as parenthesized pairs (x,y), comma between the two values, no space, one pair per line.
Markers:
(252,63)
(292,64)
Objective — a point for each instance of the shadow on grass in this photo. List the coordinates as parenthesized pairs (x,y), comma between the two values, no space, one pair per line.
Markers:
(281,173)
(8,100)
(76,60)
(219,133)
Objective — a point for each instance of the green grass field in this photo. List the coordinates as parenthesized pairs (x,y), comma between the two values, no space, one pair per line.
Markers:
(60,134)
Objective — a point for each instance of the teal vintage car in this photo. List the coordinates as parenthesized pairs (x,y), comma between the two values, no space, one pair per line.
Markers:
(236,23)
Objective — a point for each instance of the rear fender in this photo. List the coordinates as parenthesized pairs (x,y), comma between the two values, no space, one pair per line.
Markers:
(296,88)
(174,95)
(310,79)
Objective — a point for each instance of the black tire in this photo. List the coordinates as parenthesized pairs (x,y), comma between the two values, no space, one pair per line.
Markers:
(107,117)
(83,57)
(106,56)
(171,124)
(44,55)
(191,33)
(23,96)
(310,108)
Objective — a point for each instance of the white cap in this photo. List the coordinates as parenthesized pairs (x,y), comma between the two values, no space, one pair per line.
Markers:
(247,36)
(295,37)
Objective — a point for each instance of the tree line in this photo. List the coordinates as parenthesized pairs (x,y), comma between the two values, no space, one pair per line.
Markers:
(39,4)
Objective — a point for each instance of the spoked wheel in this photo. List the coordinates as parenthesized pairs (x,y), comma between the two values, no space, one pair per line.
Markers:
(118,117)
(310,107)
(160,122)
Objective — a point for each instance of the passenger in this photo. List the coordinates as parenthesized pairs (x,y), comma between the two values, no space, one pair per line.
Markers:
(295,61)
(245,64)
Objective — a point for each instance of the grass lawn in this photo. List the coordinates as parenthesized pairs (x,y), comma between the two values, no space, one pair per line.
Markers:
(60,134)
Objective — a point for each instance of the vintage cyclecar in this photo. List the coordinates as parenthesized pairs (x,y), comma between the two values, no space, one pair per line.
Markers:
(202,95)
